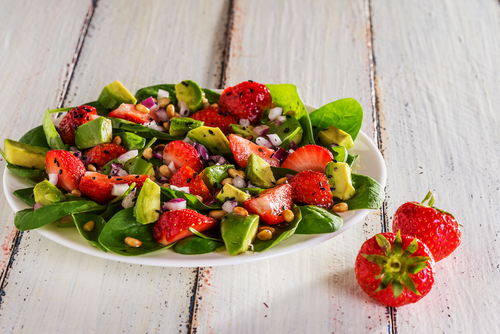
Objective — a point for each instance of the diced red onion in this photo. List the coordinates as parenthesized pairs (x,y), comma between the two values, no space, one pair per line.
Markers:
(261,130)
(280,154)
(290,151)
(172,167)
(154,108)
(218,159)
(162,93)
(128,155)
(280,119)
(250,185)
(121,172)
(74,149)
(37,206)
(261,141)
(202,151)
(128,201)
(275,113)
(115,168)
(184,189)
(162,115)
(289,176)
(239,182)
(244,122)
(175,204)
(153,125)
(53,178)
(148,103)
(189,141)
(157,155)
(183,109)
(274,139)
(229,206)
(293,145)
(119,189)
(334,145)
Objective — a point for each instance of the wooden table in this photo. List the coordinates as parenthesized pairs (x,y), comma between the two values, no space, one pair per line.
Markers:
(425,72)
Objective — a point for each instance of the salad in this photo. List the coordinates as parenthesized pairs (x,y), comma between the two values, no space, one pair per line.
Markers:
(182,167)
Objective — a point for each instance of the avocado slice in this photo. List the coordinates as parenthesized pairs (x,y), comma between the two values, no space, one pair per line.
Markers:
(190,93)
(181,125)
(245,131)
(213,175)
(339,177)
(25,155)
(139,166)
(333,135)
(212,138)
(238,232)
(147,206)
(259,172)
(131,141)
(230,192)
(46,193)
(115,94)
(288,131)
(95,132)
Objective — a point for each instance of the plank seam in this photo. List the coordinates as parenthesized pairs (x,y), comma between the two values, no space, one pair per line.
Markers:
(227,48)
(14,249)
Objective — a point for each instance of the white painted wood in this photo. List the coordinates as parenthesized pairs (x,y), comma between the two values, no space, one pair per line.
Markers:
(437,76)
(321,47)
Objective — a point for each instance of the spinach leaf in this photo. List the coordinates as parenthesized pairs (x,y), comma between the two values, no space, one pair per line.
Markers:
(369,193)
(281,232)
(191,201)
(317,220)
(345,114)
(351,159)
(36,175)
(195,245)
(91,236)
(35,137)
(29,220)
(146,92)
(252,191)
(124,225)
(26,195)
(53,138)
(140,130)
(339,153)
(100,109)
(286,96)
(115,205)
(211,96)
(280,172)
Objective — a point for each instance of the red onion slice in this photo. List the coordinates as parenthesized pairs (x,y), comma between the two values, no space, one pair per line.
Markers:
(183,189)
(244,122)
(281,154)
(275,113)
(162,93)
(148,103)
(162,115)
(53,178)
(119,189)
(129,200)
(261,141)
(175,204)
(153,125)
(229,206)
(183,109)
(239,182)
(172,167)
(274,139)
(128,155)
(261,130)
(37,206)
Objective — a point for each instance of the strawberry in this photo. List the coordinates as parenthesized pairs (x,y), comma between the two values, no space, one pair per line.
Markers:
(174,225)
(130,113)
(270,204)
(242,148)
(247,100)
(181,153)
(215,117)
(308,157)
(312,187)
(437,229)
(73,119)
(98,186)
(395,269)
(69,168)
(103,153)
(187,177)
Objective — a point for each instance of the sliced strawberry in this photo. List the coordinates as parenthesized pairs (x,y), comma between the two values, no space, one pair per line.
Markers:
(242,148)
(181,153)
(312,187)
(69,168)
(187,177)
(130,113)
(103,153)
(247,100)
(309,157)
(174,225)
(215,117)
(98,186)
(270,204)
(73,119)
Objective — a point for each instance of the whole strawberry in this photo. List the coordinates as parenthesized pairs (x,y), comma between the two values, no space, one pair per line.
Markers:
(395,269)
(312,187)
(73,119)
(437,229)
(247,100)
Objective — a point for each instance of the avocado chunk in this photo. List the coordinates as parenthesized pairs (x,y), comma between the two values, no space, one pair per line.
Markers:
(213,175)
(115,94)
(259,172)
(46,193)
(245,131)
(25,155)
(190,93)
(179,126)
(147,206)
(212,138)
(238,232)
(231,193)
(334,135)
(339,177)
(95,132)
(139,166)
(288,131)
(131,141)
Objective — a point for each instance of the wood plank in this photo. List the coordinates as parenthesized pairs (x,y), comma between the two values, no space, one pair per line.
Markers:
(321,47)
(140,43)
(437,81)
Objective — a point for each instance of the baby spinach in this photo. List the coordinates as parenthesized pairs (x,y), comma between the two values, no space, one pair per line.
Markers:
(100,109)
(317,220)
(281,232)
(91,236)
(146,92)
(53,138)
(36,175)
(195,245)
(191,201)
(252,191)
(339,153)
(140,130)
(35,137)
(345,114)
(280,172)
(211,96)
(369,193)
(351,159)
(26,195)
(115,205)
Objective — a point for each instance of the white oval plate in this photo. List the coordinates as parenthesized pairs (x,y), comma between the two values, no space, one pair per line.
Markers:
(370,163)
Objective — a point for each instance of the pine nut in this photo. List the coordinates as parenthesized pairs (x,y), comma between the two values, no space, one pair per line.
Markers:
(142,108)
(233,172)
(288,215)
(227,180)
(164,101)
(237,134)
(341,207)
(176,115)
(152,178)
(166,125)
(206,105)
(117,140)
(240,211)
(148,153)
(283,180)
(89,226)
(165,171)
(290,112)
(249,137)
(159,148)
(274,105)
(262,228)
(199,198)
(214,105)
(166,185)
(170,111)
(76,192)
(91,168)
(265,235)
(217,214)
(133,242)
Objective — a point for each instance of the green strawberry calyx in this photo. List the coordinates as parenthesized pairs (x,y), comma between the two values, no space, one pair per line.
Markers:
(430,197)
(396,264)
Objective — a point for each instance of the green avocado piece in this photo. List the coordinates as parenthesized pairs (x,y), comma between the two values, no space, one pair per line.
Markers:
(115,94)
(139,166)
(212,138)
(238,232)
(230,192)
(339,177)
(213,175)
(245,131)
(46,193)
(179,126)
(147,206)
(95,132)
(259,172)
(334,135)
(190,93)
(288,131)
(131,141)
(25,155)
